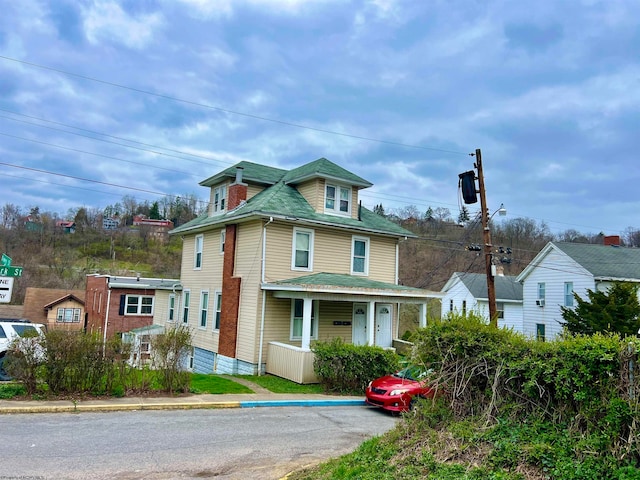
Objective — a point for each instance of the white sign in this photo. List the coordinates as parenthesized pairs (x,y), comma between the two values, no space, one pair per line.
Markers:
(6,288)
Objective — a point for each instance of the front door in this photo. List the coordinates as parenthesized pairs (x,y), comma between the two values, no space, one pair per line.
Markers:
(383,325)
(359,329)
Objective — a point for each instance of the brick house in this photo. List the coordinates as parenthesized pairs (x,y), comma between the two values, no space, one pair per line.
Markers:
(283,258)
(116,304)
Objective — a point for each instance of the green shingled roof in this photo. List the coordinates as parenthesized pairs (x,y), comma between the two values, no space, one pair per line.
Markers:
(346,281)
(284,201)
(324,168)
(604,261)
(252,172)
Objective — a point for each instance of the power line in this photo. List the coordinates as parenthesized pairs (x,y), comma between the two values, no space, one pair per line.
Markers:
(225,110)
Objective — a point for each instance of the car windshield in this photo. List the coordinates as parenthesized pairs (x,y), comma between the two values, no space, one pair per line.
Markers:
(29,330)
(411,373)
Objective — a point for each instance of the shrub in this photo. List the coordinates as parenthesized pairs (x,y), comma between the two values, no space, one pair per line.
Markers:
(24,359)
(170,352)
(347,368)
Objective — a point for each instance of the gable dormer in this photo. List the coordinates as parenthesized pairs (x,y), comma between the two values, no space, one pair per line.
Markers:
(237,183)
(327,187)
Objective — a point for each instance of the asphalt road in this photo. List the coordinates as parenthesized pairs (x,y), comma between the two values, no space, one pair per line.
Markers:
(259,443)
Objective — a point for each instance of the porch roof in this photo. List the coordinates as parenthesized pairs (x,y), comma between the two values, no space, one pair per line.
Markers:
(328,285)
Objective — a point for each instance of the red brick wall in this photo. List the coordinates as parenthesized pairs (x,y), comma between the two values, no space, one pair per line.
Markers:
(97,309)
(237,193)
(230,297)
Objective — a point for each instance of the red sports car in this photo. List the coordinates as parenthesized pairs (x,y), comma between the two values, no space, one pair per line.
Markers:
(397,392)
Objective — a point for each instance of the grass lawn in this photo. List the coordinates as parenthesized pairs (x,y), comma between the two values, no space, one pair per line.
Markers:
(203,383)
(280,385)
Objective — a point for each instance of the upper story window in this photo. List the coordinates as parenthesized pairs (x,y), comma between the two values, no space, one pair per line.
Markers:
(500,310)
(360,256)
(197,260)
(568,294)
(223,238)
(219,199)
(139,305)
(541,291)
(302,250)
(337,200)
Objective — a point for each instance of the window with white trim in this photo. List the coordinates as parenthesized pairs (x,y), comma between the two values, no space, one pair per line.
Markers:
(297,310)
(302,250)
(219,199)
(139,305)
(68,315)
(360,256)
(540,332)
(337,199)
(218,310)
(197,257)
(223,238)
(541,290)
(568,294)
(186,295)
(204,308)
(171,311)
(500,310)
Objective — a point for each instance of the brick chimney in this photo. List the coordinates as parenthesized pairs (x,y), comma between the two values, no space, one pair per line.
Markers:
(613,240)
(237,190)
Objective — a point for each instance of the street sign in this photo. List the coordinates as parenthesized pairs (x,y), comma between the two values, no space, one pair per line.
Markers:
(6,288)
(5,261)
(11,271)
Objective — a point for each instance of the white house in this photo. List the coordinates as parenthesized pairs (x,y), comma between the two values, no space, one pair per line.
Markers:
(465,292)
(559,270)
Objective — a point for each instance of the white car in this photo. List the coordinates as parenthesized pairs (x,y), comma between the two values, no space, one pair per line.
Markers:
(9,331)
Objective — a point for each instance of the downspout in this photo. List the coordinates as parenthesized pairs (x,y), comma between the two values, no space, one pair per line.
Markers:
(106,314)
(264,295)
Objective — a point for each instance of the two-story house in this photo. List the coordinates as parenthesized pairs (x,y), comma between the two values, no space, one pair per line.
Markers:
(467,292)
(283,258)
(559,270)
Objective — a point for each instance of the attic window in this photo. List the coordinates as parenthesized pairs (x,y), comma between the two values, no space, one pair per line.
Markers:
(337,200)
(219,199)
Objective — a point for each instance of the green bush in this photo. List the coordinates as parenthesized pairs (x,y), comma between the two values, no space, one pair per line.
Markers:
(347,368)
(24,360)
(170,352)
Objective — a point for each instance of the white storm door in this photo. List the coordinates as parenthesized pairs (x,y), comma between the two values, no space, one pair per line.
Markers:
(383,325)
(359,329)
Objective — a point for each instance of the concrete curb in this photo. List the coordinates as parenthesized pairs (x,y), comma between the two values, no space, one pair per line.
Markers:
(168,404)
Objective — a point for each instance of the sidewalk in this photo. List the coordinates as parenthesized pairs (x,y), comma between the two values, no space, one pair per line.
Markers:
(261,398)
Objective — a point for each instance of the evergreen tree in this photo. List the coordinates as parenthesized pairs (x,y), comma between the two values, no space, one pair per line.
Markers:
(616,310)
(154,211)
(428,215)
(379,209)
(464,215)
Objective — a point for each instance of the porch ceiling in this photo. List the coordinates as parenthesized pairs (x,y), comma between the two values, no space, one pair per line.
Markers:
(340,287)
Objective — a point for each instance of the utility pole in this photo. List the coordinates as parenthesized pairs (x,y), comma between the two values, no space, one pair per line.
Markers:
(488,247)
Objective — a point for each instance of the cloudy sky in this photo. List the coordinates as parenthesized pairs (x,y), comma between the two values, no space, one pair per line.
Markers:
(102,99)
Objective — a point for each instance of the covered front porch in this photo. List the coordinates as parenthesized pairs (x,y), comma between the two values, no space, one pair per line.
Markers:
(325,306)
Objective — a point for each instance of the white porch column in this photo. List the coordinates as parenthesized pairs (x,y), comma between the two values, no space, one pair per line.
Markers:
(422,315)
(306,323)
(371,323)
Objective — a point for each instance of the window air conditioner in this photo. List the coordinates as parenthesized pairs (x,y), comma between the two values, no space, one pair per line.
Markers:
(540,302)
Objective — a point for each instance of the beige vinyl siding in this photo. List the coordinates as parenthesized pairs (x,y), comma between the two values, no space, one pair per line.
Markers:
(248,268)
(331,312)
(313,193)
(253,190)
(161,307)
(331,253)
(208,278)
(354,202)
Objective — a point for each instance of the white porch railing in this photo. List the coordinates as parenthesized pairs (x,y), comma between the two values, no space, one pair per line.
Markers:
(290,362)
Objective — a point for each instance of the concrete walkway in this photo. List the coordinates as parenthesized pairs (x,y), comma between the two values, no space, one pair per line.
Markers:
(260,398)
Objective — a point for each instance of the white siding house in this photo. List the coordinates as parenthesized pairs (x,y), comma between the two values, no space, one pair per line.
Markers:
(559,270)
(465,292)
